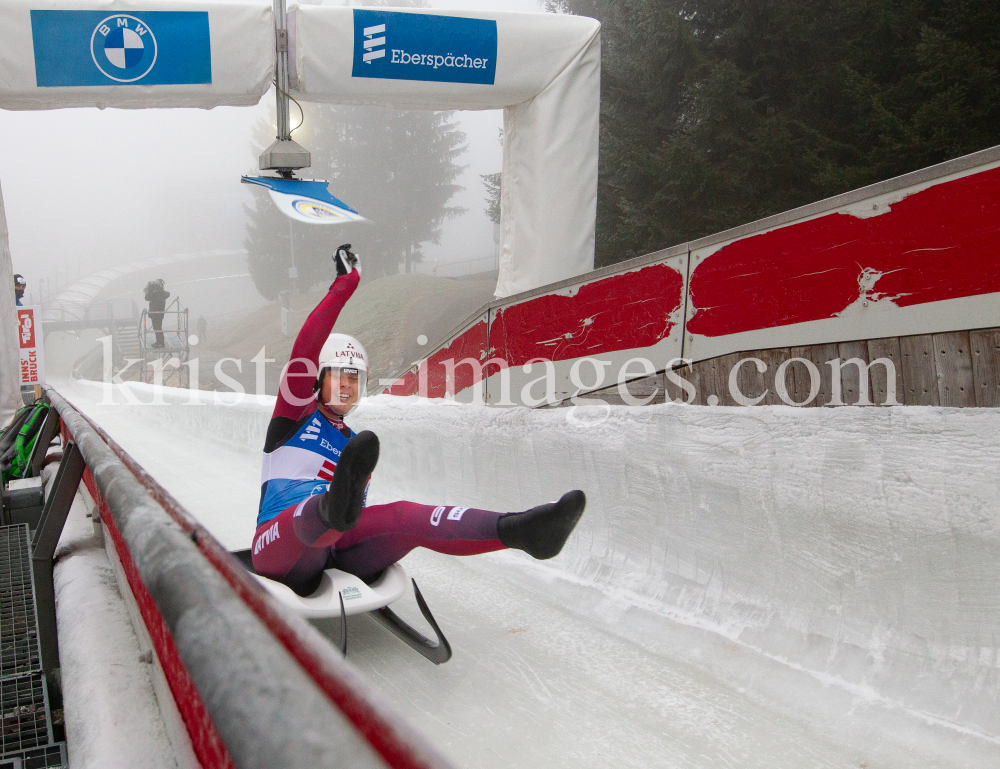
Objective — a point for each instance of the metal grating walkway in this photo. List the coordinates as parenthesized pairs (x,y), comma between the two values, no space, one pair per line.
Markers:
(26,739)
(49,757)
(25,707)
(18,631)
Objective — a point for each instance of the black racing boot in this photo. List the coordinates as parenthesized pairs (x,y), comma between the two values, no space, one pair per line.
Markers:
(341,505)
(542,531)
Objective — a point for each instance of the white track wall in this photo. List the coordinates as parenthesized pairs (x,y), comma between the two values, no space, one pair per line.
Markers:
(861,546)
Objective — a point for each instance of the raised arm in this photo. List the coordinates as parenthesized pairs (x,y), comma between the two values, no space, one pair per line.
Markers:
(298,379)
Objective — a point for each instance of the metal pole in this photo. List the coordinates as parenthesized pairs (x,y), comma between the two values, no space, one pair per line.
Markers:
(281,71)
(284,156)
(293,273)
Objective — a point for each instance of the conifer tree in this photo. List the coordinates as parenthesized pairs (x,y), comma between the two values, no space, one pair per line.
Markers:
(715,113)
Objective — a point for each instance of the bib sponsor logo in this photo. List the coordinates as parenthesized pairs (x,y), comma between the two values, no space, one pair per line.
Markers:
(87,48)
(420,46)
(456,513)
(311,432)
(436,516)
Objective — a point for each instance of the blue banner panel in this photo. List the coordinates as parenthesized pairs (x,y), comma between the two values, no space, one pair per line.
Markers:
(421,46)
(84,48)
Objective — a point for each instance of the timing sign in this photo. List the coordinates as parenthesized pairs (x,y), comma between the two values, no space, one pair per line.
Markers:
(306,200)
(422,46)
(88,48)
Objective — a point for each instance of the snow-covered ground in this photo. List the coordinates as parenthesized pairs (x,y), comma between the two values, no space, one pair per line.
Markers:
(766,587)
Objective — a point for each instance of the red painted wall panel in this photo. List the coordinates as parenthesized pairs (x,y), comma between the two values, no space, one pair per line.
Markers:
(940,243)
(432,381)
(405,385)
(469,344)
(621,312)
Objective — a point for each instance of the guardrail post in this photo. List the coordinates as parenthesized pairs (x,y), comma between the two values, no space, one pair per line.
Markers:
(43,546)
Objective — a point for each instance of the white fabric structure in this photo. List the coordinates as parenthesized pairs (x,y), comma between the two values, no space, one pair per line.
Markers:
(152,53)
(10,390)
(546,77)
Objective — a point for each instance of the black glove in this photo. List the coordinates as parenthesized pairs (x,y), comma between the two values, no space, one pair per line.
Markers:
(346,260)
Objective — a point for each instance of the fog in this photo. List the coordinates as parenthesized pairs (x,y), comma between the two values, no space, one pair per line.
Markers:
(87,189)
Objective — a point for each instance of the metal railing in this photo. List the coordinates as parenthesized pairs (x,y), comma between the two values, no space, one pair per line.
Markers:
(164,352)
(255,685)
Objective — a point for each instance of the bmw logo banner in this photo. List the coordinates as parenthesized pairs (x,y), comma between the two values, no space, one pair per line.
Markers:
(98,48)
(305,200)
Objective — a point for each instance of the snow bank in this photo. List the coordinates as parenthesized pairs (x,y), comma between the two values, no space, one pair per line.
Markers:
(859,545)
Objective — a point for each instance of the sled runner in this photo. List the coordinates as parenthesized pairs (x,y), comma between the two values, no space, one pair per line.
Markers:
(340,594)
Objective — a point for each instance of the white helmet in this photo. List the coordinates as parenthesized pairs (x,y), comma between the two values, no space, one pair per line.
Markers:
(341,351)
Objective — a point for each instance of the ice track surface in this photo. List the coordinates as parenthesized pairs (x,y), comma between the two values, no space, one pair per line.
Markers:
(765,587)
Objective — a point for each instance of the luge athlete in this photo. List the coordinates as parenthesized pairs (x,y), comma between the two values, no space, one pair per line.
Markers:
(316,471)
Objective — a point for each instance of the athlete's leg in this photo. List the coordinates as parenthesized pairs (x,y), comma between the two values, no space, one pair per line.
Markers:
(294,545)
(385,533)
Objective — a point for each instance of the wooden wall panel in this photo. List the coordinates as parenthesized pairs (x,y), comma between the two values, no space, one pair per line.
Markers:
(985,348)
(850,376)
(957,369)
(885,348)
(954,369)
(919,370)
(819,354)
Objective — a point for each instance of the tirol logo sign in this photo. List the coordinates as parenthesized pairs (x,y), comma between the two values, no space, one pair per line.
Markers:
(420,46)
(32,354)
(86,48)
(26,328)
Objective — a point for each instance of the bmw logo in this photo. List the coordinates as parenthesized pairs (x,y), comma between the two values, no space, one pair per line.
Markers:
(123,48)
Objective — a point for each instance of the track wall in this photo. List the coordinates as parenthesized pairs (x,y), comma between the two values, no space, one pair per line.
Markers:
(903,258)
(861,546)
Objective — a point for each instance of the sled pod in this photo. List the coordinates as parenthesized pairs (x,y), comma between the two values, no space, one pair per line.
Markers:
(164,53)
(542,69)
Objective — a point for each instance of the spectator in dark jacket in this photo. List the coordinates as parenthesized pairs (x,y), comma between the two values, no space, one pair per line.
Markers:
(19,285)
(157,298)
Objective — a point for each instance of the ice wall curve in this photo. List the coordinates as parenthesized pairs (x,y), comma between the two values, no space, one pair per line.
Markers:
(860,545)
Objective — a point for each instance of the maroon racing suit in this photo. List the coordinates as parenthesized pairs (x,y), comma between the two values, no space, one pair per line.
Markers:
(292,545)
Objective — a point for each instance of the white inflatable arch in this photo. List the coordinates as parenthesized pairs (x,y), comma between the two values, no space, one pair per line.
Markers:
(543,70)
